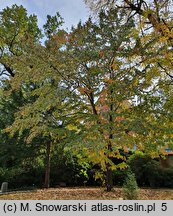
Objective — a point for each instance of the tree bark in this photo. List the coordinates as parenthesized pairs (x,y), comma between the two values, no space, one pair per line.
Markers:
(47,165)
(8,69)
(109,177)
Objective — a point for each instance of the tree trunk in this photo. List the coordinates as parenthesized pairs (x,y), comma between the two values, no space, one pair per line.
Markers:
(47,166)
(109,177)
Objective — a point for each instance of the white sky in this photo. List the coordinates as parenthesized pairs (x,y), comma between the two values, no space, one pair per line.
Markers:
(71,10)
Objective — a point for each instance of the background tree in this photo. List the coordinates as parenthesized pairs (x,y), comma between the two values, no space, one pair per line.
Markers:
(43,115)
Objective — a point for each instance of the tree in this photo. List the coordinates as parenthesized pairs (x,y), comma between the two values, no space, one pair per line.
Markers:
(43,114)
(105,88)
(153,50)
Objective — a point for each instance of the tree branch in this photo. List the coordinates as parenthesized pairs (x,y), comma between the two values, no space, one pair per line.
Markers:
(165,70)
(8,69)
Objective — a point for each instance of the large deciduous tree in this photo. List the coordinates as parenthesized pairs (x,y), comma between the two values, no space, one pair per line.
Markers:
(105,87)
(153,35)
(42,114)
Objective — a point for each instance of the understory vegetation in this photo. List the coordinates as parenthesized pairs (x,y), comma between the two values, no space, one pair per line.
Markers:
(148,173)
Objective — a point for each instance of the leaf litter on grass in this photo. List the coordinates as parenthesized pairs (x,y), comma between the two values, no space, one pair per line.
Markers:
(85,194)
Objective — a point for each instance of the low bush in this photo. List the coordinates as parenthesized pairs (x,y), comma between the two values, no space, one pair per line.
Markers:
(149,172)
(119,177)
(130,187)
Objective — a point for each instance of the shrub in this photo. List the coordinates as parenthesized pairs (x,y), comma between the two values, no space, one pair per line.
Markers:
(2,174)
(144,168)
(130,187)
(149,172)
(119,176)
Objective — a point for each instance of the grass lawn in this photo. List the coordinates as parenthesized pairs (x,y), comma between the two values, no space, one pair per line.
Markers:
(85,194)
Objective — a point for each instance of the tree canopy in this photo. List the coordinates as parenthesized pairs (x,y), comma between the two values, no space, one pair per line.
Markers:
(100,89)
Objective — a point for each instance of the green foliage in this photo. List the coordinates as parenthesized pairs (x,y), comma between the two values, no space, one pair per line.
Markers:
(149,172)
(119,177)
(15,24)
(16,27)
(143,166)
(18,177)
(130,188)
(52,25)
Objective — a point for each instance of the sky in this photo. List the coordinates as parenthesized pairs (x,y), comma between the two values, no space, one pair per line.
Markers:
(71,10)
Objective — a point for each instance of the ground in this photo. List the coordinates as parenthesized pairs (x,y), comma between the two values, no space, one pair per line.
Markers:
(85,194)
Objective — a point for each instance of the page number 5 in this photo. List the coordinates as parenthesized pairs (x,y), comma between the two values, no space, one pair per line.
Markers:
(164,207)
